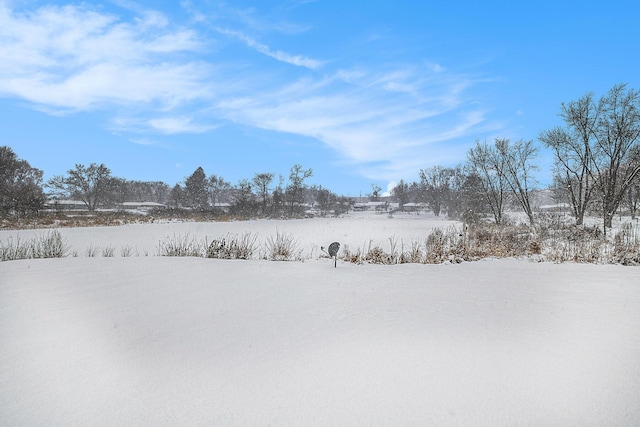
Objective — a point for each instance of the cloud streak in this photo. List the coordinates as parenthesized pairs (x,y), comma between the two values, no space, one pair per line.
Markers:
(297,60)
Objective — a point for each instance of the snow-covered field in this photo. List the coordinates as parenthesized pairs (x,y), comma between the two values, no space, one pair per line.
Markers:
(149,340)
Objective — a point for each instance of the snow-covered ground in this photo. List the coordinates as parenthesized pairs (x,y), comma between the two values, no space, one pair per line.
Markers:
(148,340)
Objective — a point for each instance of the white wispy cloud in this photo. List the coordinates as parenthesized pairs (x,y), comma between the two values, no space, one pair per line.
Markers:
(297,60)
(142,141)
(165,125)
(176,125)
(373,126)
(74,58)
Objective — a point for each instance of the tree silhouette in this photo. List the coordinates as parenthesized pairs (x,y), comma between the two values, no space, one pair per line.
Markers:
(92,185)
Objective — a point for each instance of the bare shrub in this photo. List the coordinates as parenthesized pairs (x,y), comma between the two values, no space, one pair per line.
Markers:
(232,247)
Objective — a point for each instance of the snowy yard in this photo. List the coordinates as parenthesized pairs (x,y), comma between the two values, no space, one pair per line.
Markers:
(149,340)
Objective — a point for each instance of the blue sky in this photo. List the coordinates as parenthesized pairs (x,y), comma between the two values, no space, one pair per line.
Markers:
(362,92)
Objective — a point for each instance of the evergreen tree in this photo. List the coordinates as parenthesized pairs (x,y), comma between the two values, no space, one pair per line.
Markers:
(196,194)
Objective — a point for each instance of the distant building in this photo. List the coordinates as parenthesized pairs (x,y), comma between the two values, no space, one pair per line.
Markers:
(415,207)
(142,206)
(374,206)
(222,207)
(556,207)
(66,205)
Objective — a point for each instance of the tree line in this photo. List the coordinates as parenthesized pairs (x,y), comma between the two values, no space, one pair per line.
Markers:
(596,170)
(261,195)
(596,166)
(22,192)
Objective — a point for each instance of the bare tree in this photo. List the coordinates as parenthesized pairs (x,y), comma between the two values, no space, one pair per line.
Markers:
(485,162)
(435,187)
(327,201)
(599,150)
(617,151)
(243,201)
(294,190)
(455,201)
(91,185)
(218,189)
(473,202)
(573,148)
(176,196)
(20,185)
(632,199)
(401,193)
(375,193)
(518,170)
(145,191)
(262,182)
(278,199)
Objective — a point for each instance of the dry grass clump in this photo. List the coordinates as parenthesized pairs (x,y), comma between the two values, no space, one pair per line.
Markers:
(49,245)
(372,255)
(181,246)
(282,247)
(571,243)
(626,245)
(377,255)
(352,257)
(490,240)
(448,245)
(413,255)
